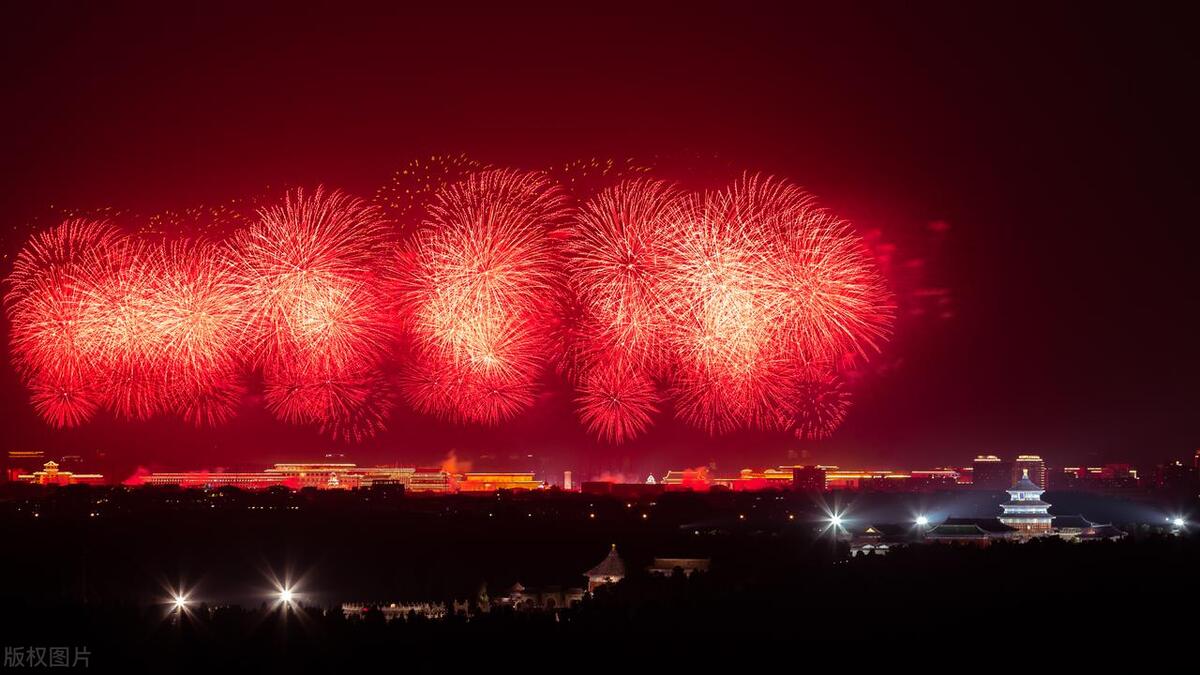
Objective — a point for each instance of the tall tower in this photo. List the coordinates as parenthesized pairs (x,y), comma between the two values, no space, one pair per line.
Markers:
(1025,511)
(991,473)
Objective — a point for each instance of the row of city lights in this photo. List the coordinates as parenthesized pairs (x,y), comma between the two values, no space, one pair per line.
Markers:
(284,595)
(836,520)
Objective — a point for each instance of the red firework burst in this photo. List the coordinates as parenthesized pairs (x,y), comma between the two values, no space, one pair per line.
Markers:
(199,314)
(761,281)
(309,268)
(821,402)
(618,248)
(723,296)
(350,405)
(63,399)
(475,286)
(616,402)
(720,400)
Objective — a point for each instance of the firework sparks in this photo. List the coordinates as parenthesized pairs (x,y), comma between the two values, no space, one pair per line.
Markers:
(476,286)
(718,302)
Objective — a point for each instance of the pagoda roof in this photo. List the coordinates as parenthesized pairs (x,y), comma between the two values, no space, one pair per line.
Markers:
(945,530)
(989,525)
(883,530)
(1073,522)
(1105,531)
(1025,503)
(1025,485)
(611,566)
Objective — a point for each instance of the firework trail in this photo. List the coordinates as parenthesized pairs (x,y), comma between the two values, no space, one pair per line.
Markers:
(741,307)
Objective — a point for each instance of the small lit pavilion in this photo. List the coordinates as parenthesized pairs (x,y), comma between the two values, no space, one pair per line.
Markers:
(610,570)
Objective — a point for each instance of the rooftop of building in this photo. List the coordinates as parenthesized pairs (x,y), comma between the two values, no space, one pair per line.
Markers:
(611,566)
(955,526)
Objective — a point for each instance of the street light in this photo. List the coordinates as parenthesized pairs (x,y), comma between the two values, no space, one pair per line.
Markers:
(922,521)
(180,602)
(1178,521)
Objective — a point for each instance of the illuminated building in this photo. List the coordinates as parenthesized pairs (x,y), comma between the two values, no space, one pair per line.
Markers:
(818,478)
(1025,511)
(426,610)
(22,461)
(316,475)
(1107,479)
(862,479)
(879,539)
(50,475)
(934,479)
(665,567)
(492,481)
(766,478)
(610,570)
(808,479)
(429,480)
(1078,528)
(295,475)
(341,475)
(687,478)
(246,480)
(1034,466)
(1177,477)
(547,598)
(991,473)
(567,485)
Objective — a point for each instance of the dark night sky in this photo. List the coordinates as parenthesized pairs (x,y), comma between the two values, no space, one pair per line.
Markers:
(1059,143)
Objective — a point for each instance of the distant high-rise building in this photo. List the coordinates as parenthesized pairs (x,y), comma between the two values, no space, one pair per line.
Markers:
(808,479)
(991,473)
(1034,466)
(567,485)
(17,462)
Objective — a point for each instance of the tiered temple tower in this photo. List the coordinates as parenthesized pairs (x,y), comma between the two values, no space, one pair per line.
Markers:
(1025,511)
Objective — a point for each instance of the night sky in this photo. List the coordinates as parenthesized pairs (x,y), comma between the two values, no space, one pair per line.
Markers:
(1057,143)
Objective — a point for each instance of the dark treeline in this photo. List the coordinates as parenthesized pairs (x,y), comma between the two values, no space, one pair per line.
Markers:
(105,580)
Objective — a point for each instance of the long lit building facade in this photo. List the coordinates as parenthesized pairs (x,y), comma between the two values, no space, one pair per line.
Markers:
(51,475)
(817,478)
(346,476)
(492,481)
